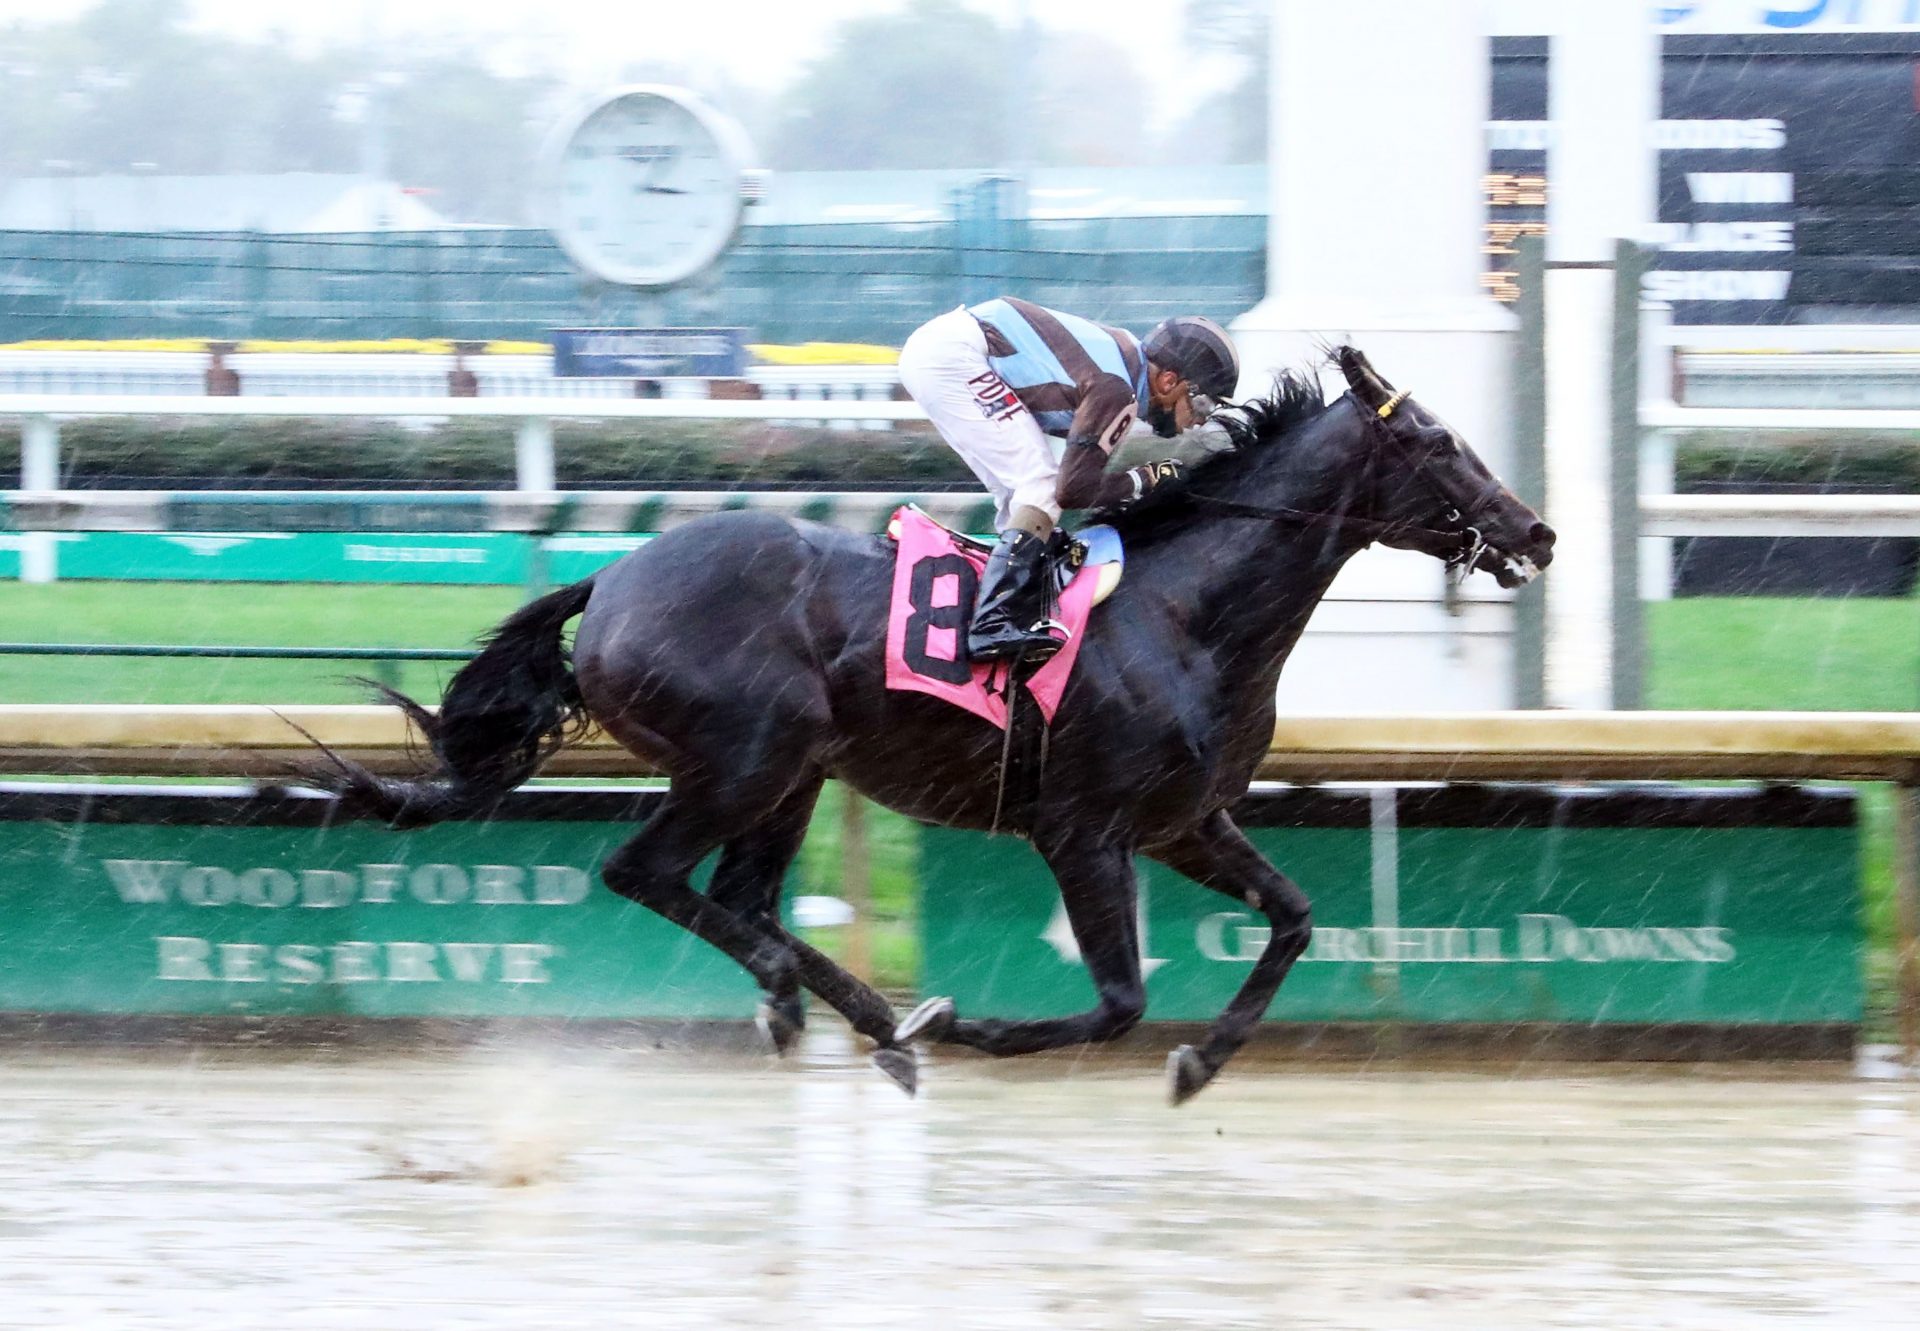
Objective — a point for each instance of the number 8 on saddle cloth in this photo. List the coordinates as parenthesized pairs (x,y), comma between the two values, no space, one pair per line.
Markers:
(936,572)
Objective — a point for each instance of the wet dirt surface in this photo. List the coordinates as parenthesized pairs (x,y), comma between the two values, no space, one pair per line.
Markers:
(529,1188)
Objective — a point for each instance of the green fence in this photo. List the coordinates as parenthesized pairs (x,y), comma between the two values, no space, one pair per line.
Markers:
(120,901)
(864,282)
(1458,905)
(1476,905)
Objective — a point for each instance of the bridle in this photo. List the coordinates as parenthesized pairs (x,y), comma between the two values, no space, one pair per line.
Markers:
(1460,544)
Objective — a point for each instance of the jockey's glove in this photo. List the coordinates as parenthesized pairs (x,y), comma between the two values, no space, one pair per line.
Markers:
(1150,476)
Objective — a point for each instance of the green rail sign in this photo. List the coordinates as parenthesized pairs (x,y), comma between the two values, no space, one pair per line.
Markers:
(468,558)
(146,902)
(1476,905)
(1459,905)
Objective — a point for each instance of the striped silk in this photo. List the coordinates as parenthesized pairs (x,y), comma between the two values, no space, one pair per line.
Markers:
(1081,380)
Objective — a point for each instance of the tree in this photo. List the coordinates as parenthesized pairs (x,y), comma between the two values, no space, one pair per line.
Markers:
(941,85)
(1089,106)
(928,87)
(1229,125)
(128,82)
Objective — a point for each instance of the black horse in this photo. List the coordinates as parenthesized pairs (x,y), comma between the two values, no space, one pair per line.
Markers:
(742,655)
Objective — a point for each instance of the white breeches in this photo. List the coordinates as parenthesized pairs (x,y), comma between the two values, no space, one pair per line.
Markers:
(944,366)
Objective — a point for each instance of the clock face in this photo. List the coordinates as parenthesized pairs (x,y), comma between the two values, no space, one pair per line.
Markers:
(645,186)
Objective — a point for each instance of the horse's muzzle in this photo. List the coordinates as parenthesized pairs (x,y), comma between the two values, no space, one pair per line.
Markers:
(1516,568)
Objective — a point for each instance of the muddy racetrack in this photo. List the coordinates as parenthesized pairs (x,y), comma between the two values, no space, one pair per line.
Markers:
(533,1187)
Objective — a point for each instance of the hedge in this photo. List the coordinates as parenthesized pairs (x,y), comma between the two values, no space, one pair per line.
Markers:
(188,453)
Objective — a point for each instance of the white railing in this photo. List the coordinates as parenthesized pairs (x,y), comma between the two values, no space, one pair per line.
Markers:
(533,448)
(1771,420)
(534,467)
(1664,513)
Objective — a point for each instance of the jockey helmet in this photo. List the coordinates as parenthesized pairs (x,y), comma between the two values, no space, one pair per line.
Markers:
(1199,350)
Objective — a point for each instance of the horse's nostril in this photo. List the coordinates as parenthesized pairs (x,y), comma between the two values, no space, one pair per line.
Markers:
(1541,534)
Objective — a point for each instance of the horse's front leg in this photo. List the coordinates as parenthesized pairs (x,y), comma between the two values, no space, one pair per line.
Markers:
(1095,873)
(1217,854)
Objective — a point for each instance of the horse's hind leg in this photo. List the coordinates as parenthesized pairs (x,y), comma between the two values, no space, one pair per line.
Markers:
(747,881)
(653,869)
(738,915)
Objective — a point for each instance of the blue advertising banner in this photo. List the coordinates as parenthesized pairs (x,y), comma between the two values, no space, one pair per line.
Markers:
(649,353)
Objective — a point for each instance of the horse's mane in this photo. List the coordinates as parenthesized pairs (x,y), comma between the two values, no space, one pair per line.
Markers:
(1295,398)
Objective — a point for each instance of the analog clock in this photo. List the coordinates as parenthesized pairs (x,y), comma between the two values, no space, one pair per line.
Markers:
(644,187)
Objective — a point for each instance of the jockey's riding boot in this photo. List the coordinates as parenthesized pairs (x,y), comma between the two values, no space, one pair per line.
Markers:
(1010,613)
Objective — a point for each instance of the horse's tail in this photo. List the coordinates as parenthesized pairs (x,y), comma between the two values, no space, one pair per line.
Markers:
(504,714)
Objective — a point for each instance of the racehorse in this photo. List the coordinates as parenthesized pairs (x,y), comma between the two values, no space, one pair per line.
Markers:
(742,655)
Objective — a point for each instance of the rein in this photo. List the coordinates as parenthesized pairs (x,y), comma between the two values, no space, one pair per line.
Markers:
(1374,527)
(1467,537)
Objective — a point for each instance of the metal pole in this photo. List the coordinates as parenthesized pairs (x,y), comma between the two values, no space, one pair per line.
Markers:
(856,882)
(539,578)
(1657,387)
(1529,467)
(1603,101)
(1657,463)
(533,454)
(1906,887)
(1629,630)
(387,671)
(39,470)
(533,470)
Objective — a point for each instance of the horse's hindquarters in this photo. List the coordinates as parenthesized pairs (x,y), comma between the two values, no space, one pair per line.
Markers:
(700,651)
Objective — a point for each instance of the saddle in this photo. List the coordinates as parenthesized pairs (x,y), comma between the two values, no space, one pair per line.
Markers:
(936,575)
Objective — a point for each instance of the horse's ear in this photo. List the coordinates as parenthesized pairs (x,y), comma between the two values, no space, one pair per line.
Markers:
(1371,390)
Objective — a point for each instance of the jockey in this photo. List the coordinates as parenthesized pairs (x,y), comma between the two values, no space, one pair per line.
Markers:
(998,378)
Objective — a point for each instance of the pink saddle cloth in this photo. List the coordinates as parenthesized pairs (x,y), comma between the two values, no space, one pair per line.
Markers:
(934,579)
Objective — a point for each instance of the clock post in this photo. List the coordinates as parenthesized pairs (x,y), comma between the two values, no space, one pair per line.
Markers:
(644,187)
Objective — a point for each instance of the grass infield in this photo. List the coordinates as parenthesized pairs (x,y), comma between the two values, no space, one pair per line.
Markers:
(1709,653)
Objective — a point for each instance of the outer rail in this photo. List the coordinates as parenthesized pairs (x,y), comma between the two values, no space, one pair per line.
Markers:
(253,740)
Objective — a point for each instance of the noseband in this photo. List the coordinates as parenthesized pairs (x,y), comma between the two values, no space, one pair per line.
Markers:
(1460,545)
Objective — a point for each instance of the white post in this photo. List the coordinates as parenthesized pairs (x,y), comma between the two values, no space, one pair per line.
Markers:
(1603,101)
(840,391)
(1377,154)
(533,454)
(1377,213)
(39,470)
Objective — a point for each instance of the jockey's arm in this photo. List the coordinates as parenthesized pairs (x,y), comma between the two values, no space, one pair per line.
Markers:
(1100,423)
(1099,426)
(1084,482)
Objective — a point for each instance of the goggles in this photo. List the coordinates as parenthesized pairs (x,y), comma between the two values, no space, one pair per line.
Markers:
(1203,406)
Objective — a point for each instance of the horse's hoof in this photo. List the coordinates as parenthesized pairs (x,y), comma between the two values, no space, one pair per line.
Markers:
(781,1020)
(930,1021)
(901,1065)
(1187,1073)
